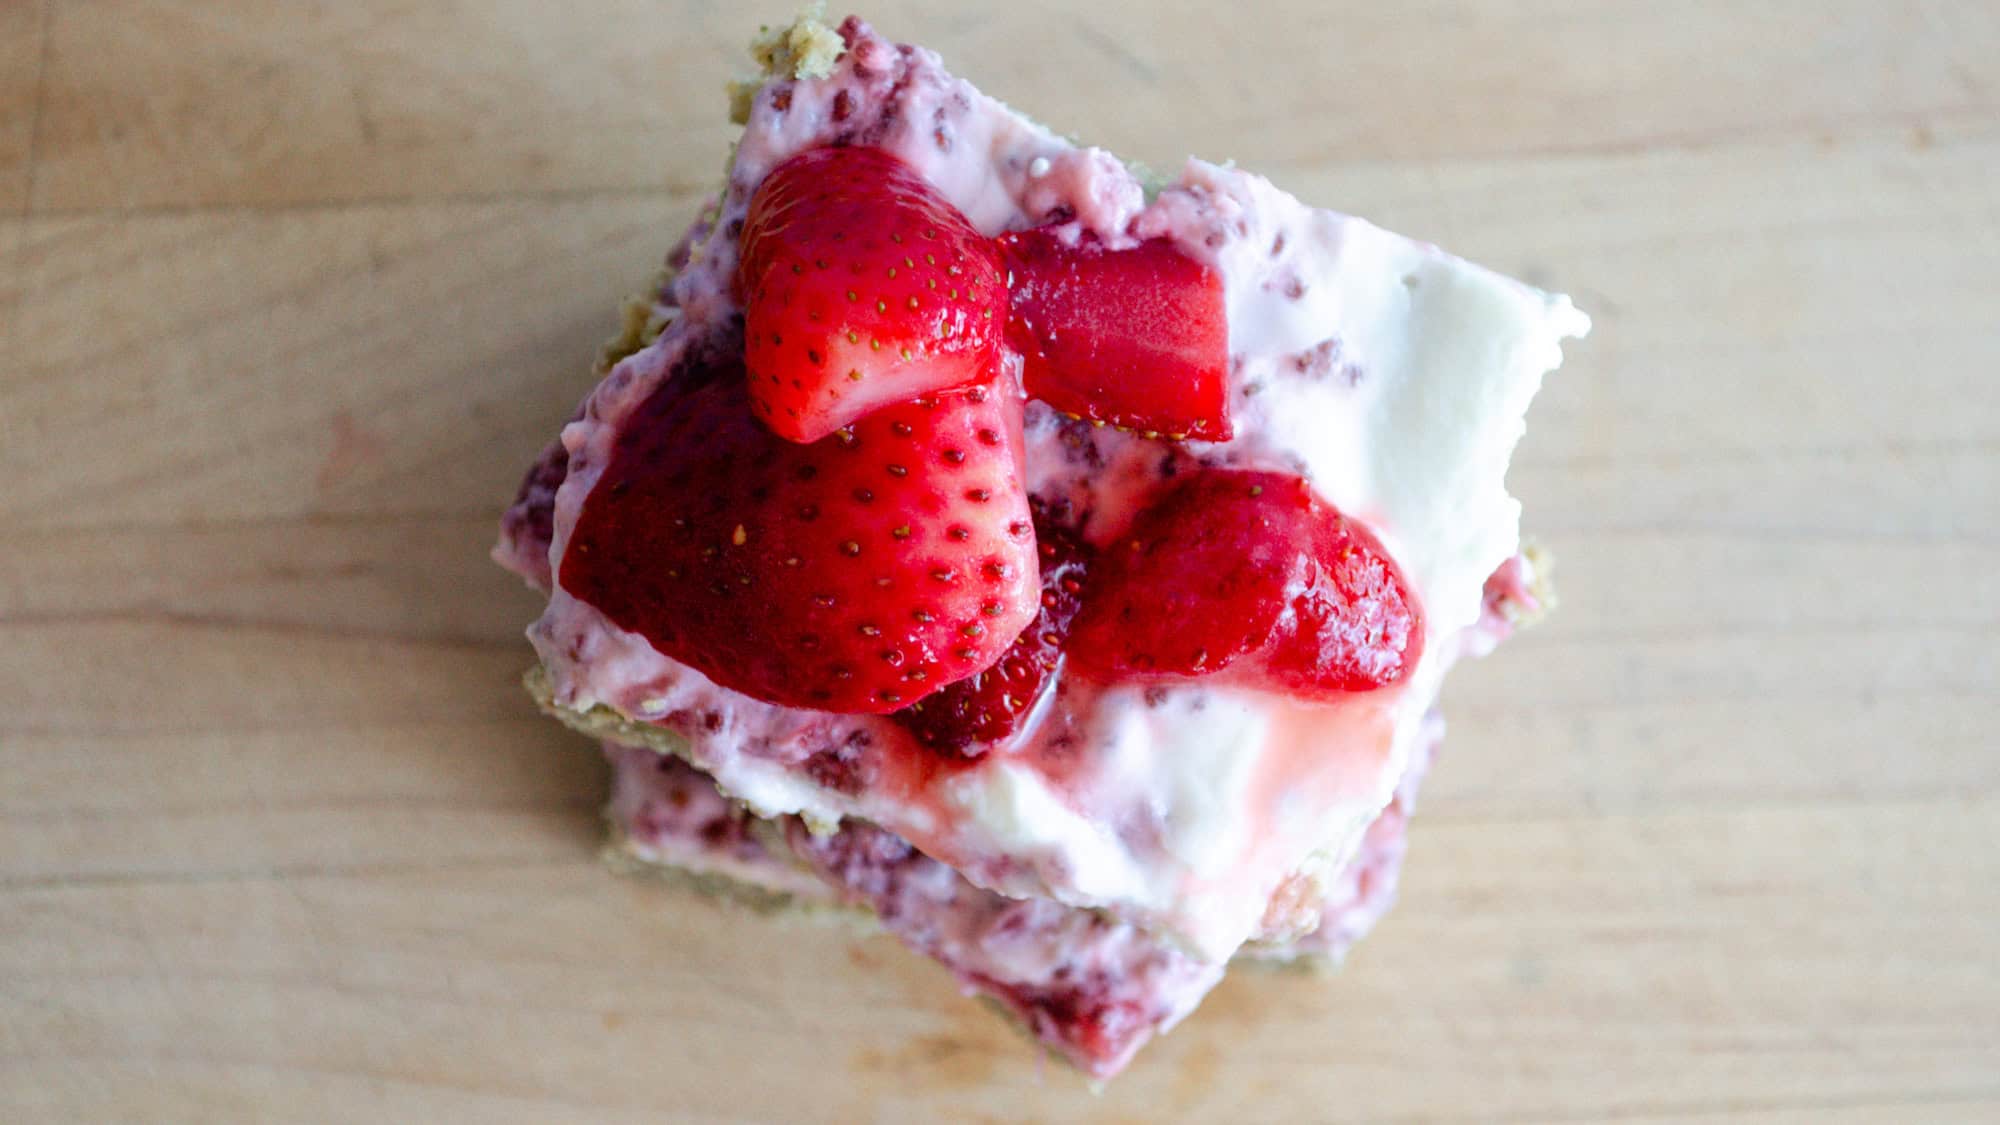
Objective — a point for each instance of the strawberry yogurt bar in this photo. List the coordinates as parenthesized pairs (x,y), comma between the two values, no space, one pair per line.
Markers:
(1059,566)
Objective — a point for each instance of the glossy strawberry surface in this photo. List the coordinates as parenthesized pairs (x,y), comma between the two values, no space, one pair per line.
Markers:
(858,573)
(862,287)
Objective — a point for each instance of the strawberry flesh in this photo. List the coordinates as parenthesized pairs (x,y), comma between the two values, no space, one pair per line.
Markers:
(854,574)
(862,287)
(967,718)
(1251,576)
(1135,338)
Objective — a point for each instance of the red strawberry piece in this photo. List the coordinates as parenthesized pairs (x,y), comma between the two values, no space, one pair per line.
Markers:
(861,287)
(1252,575)
(1135,338)
(856,574)
(966,718)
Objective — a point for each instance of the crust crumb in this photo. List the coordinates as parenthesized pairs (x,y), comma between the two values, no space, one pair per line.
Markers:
(742,93)
(808,48)
(641,320)
(1541,583)
(804,48)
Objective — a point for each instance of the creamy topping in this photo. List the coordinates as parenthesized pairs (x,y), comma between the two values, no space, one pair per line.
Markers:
(1392,375)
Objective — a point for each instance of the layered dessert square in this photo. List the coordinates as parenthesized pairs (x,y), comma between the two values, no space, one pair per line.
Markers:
(1057,565)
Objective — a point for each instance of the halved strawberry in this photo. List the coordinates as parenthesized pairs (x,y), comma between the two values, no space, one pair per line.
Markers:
(1253,575)
(1134,338)
(862,286)
(857,574)
(966,718)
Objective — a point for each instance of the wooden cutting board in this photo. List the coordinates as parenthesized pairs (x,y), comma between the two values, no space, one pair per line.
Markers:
(292,292)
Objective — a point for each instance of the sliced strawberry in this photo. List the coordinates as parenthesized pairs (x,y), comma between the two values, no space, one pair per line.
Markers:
(1135,338)
(1252,575)
(856,574)
(861,287)
(966,718)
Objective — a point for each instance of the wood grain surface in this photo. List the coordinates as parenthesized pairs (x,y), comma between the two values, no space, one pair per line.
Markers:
(291,292)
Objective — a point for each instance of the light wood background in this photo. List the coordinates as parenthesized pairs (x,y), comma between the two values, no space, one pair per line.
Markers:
(291,292)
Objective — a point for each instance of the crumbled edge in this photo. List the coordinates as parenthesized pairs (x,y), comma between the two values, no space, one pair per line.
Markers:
(1541,585)
(641,320)
(1151,183)
(621,856)
(805,48)
(601,722)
